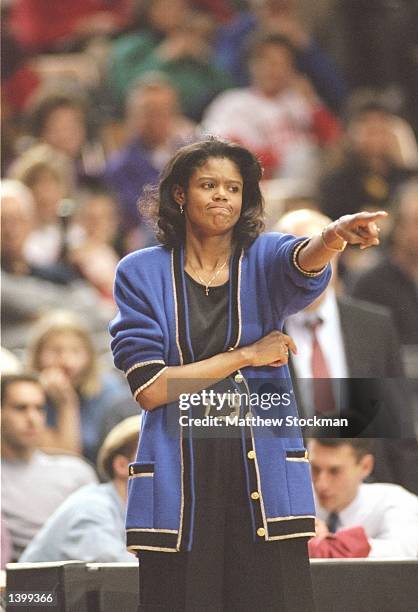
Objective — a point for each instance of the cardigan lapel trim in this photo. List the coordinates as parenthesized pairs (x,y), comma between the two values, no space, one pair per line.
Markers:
(181,311)
(234,319)
(184,537)
(253,482)
(180,300)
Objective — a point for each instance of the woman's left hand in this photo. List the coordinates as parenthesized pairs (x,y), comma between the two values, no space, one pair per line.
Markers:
(360,228)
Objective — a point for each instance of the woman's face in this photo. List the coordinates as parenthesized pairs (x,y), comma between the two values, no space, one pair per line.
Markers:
(213,201)
(372,135)
(65,129)
(99,218)
(272,69)
(47,191)
(167,16)
(67,351)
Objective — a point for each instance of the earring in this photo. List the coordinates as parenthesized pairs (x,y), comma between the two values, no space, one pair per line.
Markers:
(181,209)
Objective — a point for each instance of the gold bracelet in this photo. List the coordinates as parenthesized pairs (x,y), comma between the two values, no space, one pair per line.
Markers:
(332,248)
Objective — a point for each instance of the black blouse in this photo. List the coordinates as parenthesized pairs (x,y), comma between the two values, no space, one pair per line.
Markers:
(208,318)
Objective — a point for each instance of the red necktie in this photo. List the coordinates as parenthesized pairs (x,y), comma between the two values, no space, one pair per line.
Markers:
(323,396)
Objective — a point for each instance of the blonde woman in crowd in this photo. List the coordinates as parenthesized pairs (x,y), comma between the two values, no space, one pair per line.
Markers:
(48,174)
(80,394)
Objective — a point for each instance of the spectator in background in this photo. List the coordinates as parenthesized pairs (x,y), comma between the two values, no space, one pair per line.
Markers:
(18,215)
(29,291)
(90,525)
(176,42)
(156,130)
(79,394)
(279,117)
(279,17)
(92,238)
(367,174)
(59,116)
(349,361)
(47,173)
(34,483)
(41,26)
(17,221)
(393,281)
(387,513)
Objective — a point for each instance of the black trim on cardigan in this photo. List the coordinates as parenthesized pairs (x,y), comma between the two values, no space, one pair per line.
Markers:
(296,454)
(156,539)
(295,259)
(141,375)
(291,527)
(141,468)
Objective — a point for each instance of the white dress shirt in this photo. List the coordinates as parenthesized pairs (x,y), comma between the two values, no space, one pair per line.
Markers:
(278,126)
(389,515)
(330,338)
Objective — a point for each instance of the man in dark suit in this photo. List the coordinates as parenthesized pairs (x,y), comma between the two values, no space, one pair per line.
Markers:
(392,281)
(349,364)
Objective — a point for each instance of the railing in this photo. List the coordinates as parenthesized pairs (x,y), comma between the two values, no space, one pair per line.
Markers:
(340,585)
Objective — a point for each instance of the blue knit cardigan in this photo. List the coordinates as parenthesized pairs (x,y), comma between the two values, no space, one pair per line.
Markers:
(151,332)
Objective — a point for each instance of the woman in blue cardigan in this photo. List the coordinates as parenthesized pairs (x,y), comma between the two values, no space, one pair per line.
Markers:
(221,477)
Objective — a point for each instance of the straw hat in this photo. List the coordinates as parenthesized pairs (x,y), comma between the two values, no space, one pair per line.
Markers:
(125,432)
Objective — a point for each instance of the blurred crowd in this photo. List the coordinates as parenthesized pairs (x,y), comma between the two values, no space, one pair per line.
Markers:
(97,95)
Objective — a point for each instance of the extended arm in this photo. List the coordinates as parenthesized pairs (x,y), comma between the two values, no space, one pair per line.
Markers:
(358,229)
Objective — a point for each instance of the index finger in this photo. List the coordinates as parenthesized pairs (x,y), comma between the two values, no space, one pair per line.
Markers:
(290,343)
(379,214)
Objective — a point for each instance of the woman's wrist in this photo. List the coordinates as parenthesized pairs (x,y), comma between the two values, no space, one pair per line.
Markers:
(331,240)
(242,357)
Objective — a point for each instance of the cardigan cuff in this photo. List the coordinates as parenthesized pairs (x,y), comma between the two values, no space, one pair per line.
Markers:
(295,260)
(141,375)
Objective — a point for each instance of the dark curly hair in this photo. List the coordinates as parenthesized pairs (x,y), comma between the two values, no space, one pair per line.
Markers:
(46,102)
(159,206)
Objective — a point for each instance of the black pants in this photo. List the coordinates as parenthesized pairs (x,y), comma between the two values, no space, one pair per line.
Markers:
(226,571)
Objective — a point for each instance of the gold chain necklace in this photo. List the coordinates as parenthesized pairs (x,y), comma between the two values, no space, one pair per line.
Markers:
(210,281)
